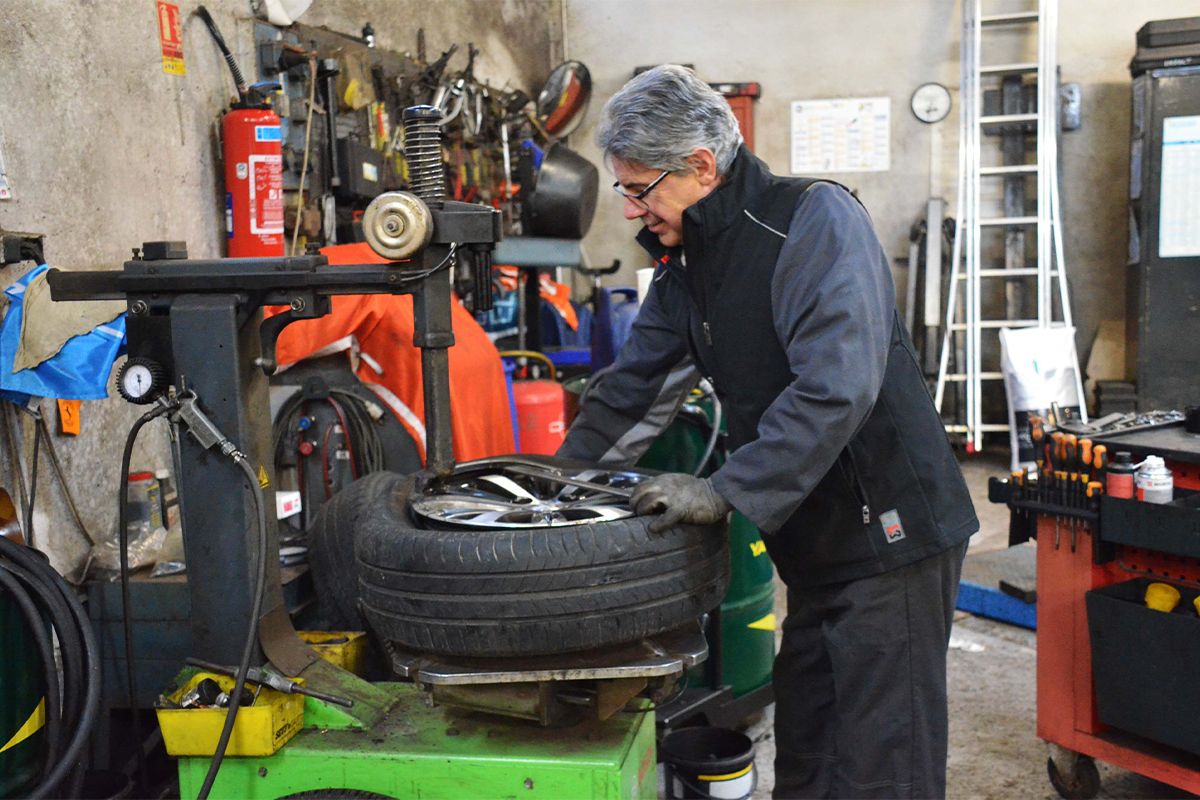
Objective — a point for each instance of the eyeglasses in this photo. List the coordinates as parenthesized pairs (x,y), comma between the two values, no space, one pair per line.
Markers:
(638,197)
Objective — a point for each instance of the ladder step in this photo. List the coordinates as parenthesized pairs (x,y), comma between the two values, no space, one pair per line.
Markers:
(1003,119)
(1009,69)
(1009,221)
(998,323)
(1021,272)
(1009,19)
(959,377)
(1015,169)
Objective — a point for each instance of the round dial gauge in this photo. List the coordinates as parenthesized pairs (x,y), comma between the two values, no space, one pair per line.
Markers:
(930,102)
(140,380)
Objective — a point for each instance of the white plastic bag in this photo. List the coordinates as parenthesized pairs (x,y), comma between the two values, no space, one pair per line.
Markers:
(1040,368)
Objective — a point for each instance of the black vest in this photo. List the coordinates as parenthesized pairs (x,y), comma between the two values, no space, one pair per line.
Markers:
(910,469)
(732,338)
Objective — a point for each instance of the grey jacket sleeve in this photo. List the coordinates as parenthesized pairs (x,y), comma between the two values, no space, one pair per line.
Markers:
(628,404)
(833,307)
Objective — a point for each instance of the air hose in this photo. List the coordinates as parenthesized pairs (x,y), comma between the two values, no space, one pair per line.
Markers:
(44,597)
(186,411)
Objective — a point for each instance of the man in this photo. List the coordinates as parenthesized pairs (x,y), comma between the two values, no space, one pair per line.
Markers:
(778,291)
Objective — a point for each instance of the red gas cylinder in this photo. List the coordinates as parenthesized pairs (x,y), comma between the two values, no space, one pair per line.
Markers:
(541,416)
(253,182)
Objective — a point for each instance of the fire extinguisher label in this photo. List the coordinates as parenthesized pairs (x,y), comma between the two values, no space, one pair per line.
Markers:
(268,133)
(266,194)
(229,215)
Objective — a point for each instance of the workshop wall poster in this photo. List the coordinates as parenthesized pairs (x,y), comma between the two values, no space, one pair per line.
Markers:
(845,135)
(170,39)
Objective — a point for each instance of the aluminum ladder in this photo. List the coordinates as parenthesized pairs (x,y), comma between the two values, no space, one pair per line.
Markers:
(971,283)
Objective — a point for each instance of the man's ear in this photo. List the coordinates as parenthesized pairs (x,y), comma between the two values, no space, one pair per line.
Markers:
(704,166)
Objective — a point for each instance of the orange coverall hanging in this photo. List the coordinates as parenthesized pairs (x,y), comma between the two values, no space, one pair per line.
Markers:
(384,325)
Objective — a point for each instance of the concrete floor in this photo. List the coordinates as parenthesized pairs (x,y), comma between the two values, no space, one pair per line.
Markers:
(994,749)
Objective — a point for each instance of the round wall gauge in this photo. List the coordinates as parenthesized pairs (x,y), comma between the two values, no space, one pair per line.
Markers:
(930,102)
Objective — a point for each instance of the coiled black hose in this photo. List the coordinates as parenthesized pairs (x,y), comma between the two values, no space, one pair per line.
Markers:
(45,597)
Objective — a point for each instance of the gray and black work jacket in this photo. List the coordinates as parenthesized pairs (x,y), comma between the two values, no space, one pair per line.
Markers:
(782,297)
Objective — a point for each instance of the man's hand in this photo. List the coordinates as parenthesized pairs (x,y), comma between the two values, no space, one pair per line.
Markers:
(679,498)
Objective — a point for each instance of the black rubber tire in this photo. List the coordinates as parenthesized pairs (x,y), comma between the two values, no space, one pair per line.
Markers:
(534,591)
(1083,784)
(331,544)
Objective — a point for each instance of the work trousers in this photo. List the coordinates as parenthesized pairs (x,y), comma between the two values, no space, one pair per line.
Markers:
(860,684)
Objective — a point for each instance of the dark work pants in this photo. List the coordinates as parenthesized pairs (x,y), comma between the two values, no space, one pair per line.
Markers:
(860,684)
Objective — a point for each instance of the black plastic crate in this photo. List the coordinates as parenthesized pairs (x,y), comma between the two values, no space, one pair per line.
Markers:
(1166,527)
(1144,664)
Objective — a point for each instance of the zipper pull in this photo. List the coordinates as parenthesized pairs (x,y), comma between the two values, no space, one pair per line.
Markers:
(866,514)
(707,334)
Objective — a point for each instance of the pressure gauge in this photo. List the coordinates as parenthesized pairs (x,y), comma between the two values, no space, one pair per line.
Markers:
(141,380)
(930,102)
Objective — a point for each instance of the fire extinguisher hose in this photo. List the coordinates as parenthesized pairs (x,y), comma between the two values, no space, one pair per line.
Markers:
(238,79)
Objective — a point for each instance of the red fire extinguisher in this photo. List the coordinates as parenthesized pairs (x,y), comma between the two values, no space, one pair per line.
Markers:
(539,409)
(253,181)
(252,145)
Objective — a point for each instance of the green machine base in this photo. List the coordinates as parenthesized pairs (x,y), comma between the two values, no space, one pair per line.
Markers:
(408,749)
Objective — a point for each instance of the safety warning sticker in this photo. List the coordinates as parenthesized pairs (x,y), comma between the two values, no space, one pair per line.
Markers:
(266,194)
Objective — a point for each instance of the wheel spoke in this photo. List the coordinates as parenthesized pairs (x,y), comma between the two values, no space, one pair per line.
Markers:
(508,486)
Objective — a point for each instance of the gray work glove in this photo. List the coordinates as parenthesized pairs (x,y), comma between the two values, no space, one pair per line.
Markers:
(678,498)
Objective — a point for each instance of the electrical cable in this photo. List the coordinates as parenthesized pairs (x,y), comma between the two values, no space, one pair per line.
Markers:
(337,409)
(361,429)
(126,604)
(252,634)
(718,412)
(33,480)
(312,92)
(14,462)
(79,710)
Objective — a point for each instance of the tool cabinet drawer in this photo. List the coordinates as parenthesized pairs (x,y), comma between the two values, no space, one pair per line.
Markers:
(1168,528)
(1144,664)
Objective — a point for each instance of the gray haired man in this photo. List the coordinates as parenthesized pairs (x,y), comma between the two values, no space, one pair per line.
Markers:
(778,292)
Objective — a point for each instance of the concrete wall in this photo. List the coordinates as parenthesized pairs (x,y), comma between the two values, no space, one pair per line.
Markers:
(868,48)
(104,150)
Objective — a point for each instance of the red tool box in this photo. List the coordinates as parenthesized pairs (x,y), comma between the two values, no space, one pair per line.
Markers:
(1117,681)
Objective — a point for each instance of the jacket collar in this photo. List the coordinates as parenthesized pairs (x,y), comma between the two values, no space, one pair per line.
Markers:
(747,178)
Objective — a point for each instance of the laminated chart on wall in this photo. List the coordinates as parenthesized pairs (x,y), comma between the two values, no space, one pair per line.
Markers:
(1179,203)
(842,135)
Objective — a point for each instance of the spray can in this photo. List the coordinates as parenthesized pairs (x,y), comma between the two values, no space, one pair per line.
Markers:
(1155,483)
(1119,476)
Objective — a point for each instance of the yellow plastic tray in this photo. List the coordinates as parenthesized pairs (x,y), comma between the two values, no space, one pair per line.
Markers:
(346,649)
(259,730)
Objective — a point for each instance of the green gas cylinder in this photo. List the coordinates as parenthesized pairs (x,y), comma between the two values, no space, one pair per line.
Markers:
(22,715)
(747,645)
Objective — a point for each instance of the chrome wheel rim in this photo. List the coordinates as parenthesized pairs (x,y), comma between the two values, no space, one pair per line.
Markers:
(499,494)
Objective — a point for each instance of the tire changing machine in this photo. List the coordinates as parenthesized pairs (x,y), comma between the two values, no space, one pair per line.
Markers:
(196,330)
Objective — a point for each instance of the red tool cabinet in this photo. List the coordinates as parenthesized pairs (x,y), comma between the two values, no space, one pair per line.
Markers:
(1107,553)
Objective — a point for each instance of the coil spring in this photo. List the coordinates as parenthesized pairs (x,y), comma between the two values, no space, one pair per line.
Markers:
(423,149)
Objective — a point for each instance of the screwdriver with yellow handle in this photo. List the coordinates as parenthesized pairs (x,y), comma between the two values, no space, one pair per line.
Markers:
(1085,465)
(1099,462)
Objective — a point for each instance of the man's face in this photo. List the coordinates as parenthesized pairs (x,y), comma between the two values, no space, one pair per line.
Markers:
(661,209)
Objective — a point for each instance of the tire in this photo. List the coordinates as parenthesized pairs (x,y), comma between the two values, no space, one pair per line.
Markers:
(331,544)
(533,591)
(1082,784)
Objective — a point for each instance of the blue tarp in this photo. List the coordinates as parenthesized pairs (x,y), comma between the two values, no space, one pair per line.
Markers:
(79,371)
